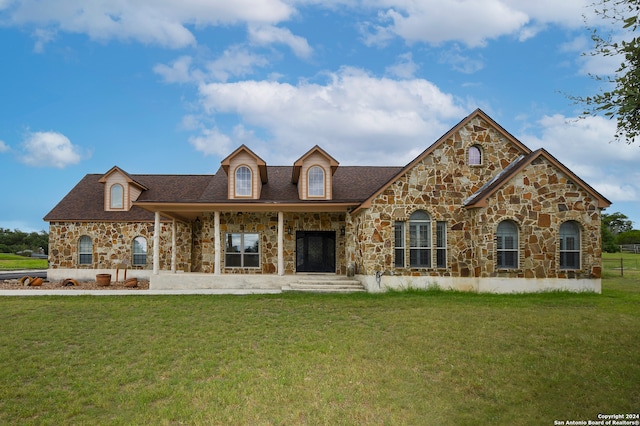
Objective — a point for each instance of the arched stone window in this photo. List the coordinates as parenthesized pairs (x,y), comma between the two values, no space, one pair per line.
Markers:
(243,181)
(570,245)
(420,240)
(316,182)
(507,245)
(85,250)
(475,155)
(139,251)
(117,196)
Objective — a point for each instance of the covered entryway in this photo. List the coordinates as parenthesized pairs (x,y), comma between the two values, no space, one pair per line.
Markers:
(315,251)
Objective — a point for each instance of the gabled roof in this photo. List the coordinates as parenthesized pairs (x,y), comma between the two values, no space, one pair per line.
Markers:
(464,122)
(262,165)
(116,169)
(297,166)
(85,202)
(479,198)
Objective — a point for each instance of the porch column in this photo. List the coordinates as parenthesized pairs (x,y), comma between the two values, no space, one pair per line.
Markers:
(280,243)
(173,246)
(216,242)
(156,244)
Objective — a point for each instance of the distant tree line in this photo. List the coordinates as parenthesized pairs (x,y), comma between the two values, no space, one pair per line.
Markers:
(617,230)
(17,241)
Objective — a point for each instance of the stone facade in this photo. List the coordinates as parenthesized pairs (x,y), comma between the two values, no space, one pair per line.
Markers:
(538,199)
(463,204)
(266,225)
(112,243)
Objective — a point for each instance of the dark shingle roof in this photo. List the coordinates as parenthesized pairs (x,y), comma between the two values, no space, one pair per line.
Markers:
(351,184)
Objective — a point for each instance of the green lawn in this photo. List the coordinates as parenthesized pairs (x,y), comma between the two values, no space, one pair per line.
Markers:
(414,358)
(10,262)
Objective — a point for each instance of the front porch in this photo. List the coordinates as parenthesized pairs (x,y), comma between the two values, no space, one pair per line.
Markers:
(325,283)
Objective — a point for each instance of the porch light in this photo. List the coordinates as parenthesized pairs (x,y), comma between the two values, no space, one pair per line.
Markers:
(289,230)
(342,231)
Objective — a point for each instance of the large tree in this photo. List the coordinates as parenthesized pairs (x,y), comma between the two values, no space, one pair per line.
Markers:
(622,101)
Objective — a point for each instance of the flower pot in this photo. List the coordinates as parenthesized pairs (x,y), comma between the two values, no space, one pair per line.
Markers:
(103,279)
(131,282)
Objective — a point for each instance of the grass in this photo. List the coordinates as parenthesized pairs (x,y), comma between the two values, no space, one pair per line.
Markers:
(10,262)
(429,357)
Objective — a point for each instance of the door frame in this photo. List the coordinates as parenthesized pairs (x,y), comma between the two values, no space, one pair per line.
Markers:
(328,249)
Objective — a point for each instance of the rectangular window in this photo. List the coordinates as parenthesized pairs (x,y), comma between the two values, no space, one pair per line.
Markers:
(569,253)
(85,251)
(242,251)
(441,244)
(507,252)
(399,244)
(420,245)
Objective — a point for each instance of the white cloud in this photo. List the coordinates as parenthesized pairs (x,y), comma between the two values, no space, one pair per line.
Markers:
(358,118)
(49,149)
(178,72)
(404,67)
(234,62)
(268,34)
(584,146)
(4,147)
(212,142)
(162,22)
(434,21)
(460,62)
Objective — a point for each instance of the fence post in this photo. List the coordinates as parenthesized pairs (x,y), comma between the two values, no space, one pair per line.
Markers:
(621,267)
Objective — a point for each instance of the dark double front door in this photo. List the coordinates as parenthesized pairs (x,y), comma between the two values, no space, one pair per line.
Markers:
(315,251)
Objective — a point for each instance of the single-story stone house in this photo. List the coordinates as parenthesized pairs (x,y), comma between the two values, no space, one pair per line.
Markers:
(477,210)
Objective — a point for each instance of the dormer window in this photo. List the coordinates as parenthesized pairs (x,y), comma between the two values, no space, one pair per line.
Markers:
(247,174)
(120,190)
(316,182)
(117,196)
(243,181)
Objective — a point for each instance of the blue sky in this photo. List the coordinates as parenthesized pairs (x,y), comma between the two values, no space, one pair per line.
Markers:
(164,86)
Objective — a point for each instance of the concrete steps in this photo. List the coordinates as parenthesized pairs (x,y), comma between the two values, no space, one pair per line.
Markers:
(325,284)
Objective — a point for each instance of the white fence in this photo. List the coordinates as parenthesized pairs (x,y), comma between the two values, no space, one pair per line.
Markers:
(630,248)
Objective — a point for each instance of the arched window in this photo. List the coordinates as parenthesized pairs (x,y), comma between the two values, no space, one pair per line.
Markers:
(475,155)
(420,240)
(117,196)
(139,251)
(570,245)
(85,250)
(316,182)
(507,244)
(243,181)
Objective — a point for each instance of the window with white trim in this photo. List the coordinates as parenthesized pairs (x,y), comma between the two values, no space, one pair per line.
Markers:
(117,196)
(242,250)
(399,244)
(475,155)
(139,251)
(243,181)
(316,181)
(85,250)
(570,245)
(420,240)
(507,245)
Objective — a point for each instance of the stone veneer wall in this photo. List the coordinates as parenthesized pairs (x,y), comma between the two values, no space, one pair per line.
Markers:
(538,199)
(265,224)
(113,242)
